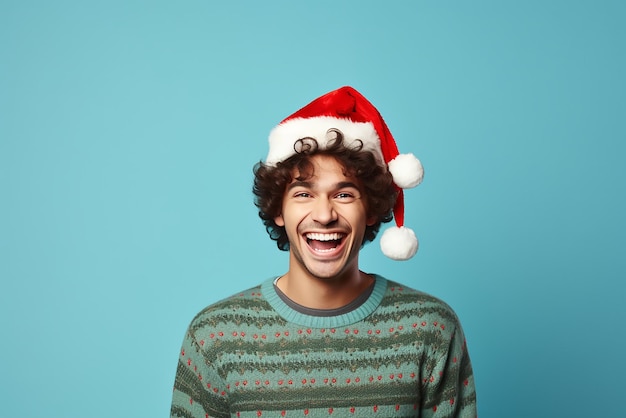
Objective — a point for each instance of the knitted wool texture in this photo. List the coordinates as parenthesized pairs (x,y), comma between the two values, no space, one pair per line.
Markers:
(400,354)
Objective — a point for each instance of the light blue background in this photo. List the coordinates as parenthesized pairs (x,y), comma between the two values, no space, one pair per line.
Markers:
(128,132)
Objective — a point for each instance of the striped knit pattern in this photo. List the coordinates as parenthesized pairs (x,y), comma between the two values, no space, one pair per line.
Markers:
(400,354)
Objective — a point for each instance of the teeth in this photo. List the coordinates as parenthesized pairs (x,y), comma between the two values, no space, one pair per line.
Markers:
(324,237)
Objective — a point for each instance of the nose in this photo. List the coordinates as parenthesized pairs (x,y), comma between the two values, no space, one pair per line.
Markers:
(323,211)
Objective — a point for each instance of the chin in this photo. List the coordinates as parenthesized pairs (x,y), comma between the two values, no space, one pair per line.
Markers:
(330,272)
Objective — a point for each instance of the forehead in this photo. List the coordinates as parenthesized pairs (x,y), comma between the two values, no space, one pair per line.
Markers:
(320,167)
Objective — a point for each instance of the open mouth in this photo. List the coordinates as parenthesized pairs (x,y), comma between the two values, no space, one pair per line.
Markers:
(324,243)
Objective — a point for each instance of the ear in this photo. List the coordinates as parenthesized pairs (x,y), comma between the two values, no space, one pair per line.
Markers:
(370,221)
(279,220)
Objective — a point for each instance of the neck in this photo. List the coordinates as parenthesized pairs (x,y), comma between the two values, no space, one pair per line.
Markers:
(323,293)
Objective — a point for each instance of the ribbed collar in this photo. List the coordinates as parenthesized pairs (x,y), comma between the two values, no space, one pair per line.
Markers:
(290,315)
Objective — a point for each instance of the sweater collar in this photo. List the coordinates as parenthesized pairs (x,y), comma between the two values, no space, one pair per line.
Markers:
(293,316)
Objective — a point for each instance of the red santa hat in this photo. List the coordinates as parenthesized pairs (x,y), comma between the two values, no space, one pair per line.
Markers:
(348,111)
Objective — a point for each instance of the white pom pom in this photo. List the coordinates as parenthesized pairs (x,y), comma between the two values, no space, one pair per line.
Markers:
(399,243)
(407,171)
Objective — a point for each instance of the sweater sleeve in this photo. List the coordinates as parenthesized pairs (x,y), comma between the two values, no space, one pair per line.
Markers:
(199,391)
(449,390)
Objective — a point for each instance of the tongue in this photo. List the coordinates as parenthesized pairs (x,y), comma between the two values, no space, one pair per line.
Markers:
(323,245)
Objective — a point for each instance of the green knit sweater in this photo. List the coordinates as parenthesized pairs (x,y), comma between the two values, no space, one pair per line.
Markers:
(402,353)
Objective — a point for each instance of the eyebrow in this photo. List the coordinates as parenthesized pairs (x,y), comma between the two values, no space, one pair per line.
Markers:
(309,185)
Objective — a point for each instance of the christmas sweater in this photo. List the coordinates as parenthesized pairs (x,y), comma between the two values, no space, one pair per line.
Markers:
(402,353)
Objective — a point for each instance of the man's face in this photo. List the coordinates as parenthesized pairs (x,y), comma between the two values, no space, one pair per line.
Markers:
(325,218)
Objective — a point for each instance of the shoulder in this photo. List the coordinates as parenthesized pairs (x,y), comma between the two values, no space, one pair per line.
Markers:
(242,307)
(418,304)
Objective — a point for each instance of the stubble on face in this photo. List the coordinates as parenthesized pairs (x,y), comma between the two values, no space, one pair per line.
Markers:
(325,220)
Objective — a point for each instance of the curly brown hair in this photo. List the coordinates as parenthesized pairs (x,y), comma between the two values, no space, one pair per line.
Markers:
(270,182)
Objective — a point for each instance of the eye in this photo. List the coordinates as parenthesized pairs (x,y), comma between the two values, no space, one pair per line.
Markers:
(346,197)
(302,195)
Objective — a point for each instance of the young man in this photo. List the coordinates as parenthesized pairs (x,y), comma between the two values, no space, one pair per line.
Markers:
(325,338)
